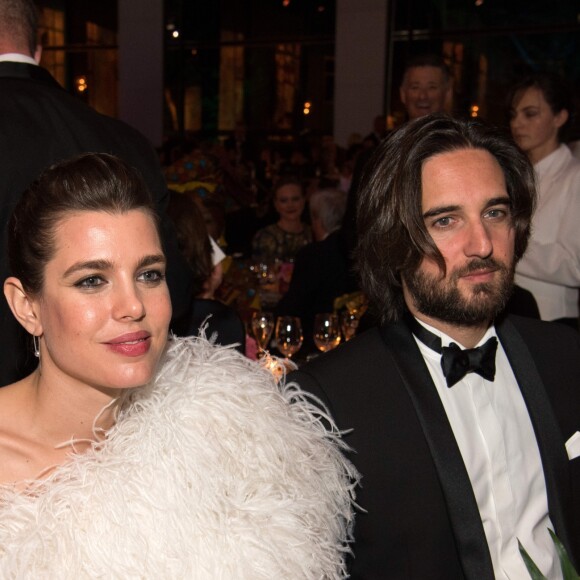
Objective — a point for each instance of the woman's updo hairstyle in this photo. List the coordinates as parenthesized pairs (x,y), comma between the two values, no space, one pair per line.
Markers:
(88,182)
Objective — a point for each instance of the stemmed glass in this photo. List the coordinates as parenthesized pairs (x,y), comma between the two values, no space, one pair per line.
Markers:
(349,320)
(288,335)
(326,331)
(262,327)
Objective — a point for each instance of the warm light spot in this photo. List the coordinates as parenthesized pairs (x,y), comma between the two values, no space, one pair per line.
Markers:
(278,367)
(81,84)
(474,110)
(175,34)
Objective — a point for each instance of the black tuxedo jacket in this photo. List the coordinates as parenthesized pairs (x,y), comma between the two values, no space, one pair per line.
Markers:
(41,124)
(421,519)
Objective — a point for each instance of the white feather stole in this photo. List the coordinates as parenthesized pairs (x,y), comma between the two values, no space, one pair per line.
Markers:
(212,471)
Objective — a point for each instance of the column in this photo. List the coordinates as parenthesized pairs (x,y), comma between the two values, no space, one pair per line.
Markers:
(141,66)
(360,66)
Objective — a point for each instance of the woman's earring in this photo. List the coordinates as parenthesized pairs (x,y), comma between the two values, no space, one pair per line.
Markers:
(36,342)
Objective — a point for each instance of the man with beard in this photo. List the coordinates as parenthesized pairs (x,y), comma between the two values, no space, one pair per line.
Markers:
(463,423)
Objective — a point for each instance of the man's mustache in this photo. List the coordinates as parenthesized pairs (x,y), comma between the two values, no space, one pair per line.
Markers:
(478,264)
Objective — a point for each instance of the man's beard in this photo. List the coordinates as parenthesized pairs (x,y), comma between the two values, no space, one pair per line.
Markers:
(443,300)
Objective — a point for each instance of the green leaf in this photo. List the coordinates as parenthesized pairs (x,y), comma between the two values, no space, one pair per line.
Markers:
(530,565)
(568,571)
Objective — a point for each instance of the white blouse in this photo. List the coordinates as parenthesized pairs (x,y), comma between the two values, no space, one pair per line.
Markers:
(550,268)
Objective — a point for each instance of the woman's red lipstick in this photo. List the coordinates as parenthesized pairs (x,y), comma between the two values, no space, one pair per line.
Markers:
(131,344)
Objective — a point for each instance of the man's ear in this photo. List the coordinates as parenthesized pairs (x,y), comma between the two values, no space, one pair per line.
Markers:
(38,53)
(402,95)
(24,308)
(561,117)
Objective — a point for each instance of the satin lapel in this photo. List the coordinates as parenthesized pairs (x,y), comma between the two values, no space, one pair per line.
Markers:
(548,434)
(461,503)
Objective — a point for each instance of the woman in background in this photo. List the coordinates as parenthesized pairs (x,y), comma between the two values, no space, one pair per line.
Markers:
(540,112)
(283,239)
(127,455)
(205,257)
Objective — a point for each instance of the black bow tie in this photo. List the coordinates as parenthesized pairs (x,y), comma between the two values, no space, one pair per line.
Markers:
(455,362)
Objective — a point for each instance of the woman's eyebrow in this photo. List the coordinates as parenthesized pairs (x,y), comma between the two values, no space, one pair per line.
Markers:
(89,265)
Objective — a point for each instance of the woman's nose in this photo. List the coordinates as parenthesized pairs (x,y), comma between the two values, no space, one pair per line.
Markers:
(128,303)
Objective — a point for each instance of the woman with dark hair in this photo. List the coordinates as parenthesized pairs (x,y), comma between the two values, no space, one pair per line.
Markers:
(540,112)
(127,454)
(221,322)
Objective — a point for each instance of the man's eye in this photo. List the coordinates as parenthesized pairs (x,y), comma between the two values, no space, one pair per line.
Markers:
(496,213)
(151,276)
(442,222)
(90,282)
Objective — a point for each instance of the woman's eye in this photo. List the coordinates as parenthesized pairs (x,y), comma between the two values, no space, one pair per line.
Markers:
(90,282)
(151,276)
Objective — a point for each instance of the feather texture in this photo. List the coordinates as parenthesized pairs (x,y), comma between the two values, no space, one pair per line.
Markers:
(211,471)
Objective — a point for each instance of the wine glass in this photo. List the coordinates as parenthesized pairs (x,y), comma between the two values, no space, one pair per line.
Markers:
(326,331)
(349,320)
(262,327)
(288,335)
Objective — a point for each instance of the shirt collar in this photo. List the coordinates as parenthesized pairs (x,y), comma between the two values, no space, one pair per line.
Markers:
(446,339)
(17,57)
(544,165)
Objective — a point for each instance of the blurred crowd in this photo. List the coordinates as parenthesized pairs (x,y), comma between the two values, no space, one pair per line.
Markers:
(255,197)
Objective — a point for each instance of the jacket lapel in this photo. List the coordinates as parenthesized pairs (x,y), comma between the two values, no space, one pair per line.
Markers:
(547,431)
(461,504)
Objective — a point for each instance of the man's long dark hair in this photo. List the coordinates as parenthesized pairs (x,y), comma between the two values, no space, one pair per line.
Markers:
(392,238)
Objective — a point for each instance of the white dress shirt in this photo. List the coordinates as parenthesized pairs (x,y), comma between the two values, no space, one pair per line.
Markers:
(550,268)
(496,439)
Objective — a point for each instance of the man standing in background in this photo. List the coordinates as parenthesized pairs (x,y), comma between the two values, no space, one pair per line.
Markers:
(40,124)
(426,86)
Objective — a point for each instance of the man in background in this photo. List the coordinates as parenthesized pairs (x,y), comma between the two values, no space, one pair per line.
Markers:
(426,86)
(40,124)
